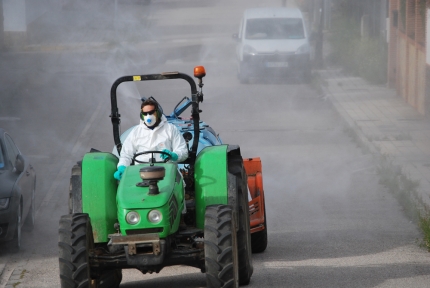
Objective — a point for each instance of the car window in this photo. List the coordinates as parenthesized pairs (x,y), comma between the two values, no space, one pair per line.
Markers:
(274,28)
(12,150)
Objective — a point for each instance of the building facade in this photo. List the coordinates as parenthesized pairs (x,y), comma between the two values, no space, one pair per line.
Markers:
(408,66)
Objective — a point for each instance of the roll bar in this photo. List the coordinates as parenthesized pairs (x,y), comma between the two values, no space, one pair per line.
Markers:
(196,97)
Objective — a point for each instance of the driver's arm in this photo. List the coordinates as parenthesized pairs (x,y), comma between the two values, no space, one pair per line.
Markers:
(127,150)
(179,146)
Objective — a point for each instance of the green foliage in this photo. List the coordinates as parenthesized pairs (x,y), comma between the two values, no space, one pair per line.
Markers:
(404,189)
(401,186)
(425,227)
(364,57)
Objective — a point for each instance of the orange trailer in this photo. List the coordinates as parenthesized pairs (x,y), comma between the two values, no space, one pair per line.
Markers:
(257,208)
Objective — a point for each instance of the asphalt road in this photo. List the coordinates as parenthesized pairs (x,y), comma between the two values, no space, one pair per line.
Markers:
(330,223)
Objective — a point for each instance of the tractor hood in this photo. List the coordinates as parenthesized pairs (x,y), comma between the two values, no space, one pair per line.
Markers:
(132,196)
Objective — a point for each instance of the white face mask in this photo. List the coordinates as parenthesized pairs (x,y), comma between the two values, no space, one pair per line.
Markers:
(150,120)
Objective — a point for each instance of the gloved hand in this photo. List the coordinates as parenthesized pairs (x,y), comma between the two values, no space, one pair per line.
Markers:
(173,155)
(118,174)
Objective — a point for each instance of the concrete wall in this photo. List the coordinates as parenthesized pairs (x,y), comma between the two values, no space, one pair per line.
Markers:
(18,15)
(14,25)
(407,68)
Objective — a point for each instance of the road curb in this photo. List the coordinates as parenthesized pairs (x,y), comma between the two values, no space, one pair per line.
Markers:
(408,169)
(15,277)
(2,266)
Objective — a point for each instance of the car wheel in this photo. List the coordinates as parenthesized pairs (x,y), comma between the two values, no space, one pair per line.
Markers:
(31,216)
(243,74)
(16,241)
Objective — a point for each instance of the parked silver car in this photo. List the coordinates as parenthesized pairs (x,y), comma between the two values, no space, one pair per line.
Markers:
(273,42)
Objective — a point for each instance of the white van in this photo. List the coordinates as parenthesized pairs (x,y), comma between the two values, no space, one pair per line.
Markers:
(273,42)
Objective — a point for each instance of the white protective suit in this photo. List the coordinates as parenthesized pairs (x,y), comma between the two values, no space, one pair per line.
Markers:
(142,138)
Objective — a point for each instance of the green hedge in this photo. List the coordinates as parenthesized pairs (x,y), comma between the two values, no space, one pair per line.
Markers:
(366,58)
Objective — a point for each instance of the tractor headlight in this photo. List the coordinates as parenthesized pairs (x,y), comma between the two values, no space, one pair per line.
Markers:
(155,216)
(132,217)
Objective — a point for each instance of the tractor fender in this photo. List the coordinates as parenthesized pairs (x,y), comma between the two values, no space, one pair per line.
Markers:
(233,150)
(210,180)
(214,185)
(99,189)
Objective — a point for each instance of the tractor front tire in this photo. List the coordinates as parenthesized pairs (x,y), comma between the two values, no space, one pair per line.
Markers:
(75,242)
(221,255)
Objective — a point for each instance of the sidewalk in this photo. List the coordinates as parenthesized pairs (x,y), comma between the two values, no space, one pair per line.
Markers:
(384,123)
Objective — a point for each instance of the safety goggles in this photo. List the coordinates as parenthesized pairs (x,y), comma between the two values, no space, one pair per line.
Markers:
(148,113)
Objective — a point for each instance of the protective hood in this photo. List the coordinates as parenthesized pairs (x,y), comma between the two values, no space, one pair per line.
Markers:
(141,139)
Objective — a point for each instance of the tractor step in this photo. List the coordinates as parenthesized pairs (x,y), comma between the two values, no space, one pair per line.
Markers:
(191,231)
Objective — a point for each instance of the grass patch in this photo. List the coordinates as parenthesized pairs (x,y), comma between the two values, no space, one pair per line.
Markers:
(403,188)
(353,135)
(425,227)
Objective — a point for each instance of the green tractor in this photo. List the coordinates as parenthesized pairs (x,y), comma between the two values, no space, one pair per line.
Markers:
(135,223)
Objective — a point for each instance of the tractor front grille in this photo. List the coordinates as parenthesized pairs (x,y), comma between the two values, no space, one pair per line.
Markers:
(144,231)
(173,209)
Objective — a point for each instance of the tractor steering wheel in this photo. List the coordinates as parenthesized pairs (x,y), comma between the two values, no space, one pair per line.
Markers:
(152,156)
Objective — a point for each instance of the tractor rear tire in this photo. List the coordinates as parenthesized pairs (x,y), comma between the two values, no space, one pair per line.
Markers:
(75,190)
(75,242)
(221,255)
(246,268)
(259,239)
(242,74)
